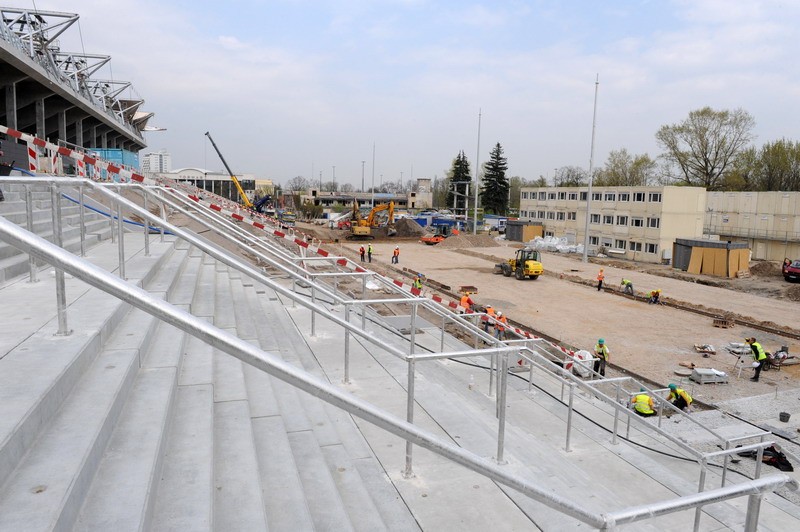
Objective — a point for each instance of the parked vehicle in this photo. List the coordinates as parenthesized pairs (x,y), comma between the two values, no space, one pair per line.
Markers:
(791,270)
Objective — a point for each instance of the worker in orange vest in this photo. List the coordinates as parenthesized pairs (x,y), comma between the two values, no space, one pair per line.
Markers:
(466,302)
(500,326)
(600,277)
(490,315)
(396,255)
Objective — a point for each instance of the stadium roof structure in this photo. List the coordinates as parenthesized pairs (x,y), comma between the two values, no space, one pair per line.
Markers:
(54,93)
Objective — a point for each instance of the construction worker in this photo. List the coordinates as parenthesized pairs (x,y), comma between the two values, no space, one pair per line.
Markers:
(600,277)
(417,282)
(466,302)
(500,326)
(643,404)
(396,255)
(602,354)
(759,356)
(369,253)
(627,286)
(490,315)
(680,399)
(655,295)
(362,252)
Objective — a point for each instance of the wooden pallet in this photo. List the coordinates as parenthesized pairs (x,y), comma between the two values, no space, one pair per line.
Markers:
(723,323)
(743,273)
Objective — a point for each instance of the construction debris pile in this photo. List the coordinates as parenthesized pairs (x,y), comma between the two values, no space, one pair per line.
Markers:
(554,244)
(468,241)
(764,268)
(408,227)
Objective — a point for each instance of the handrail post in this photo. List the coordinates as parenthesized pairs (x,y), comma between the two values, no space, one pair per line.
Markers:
(409,472)
(413,328)
(146,225)
(34,278)
(347,346)
(163,217)
(572,385)
(501,399)
(82,217)
(492,370)
(753,511)
(616,417)
(313,312)
(700,487)
(120,240)
(61,287)
(444,322)
(363,307)
(725,464)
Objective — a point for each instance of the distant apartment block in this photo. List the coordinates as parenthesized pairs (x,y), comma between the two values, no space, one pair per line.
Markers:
(639,223)
(158,162)
(768,221)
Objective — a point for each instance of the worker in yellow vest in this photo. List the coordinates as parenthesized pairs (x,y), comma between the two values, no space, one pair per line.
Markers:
(643,404)
(759,356)
(602,353)
(680,399)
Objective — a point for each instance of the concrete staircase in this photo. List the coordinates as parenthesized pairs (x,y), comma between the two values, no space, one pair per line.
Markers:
(130,424)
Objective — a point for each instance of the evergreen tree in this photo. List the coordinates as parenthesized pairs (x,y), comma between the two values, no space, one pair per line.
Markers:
(494,192)
(458,175)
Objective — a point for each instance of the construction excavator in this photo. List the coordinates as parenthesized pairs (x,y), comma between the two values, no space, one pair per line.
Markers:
(242,196)
(361,228)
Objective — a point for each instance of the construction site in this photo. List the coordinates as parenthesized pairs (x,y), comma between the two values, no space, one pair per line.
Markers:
(173,360)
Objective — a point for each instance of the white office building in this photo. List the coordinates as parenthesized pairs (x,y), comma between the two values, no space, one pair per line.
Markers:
(158,162)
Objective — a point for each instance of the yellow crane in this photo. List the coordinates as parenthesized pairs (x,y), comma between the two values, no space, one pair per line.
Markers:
(245,200)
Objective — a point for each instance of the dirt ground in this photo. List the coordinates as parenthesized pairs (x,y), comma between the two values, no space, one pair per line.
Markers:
(645,339)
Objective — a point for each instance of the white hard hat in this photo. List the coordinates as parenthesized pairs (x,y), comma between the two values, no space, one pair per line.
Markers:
(499,313)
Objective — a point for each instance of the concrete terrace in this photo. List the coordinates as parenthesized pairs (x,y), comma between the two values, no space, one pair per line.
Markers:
(130,422)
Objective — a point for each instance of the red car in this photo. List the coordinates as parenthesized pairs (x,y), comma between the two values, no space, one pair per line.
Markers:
(791,270)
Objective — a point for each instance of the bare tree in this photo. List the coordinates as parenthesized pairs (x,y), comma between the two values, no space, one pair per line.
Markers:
(297,184)
(570,176)
(623,170)
(701,148)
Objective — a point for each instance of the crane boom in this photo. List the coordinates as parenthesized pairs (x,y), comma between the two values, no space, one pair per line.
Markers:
(245,200)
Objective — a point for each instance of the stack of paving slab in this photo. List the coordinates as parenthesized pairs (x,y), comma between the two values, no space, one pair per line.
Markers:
(128,423)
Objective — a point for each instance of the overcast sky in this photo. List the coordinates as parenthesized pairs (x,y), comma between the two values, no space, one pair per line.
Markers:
(285,86)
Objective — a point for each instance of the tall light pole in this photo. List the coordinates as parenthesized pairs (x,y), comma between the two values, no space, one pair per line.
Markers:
(320,181)
(401,181)
(591,163)
(334,179)
(477,169)
(373,175)
(362,176)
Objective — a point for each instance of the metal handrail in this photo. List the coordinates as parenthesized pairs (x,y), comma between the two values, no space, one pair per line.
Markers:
(275,366)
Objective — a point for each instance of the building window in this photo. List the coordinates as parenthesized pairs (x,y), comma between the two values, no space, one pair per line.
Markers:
(562,195)
(572,216)
(560,216)
(655,223)
(524,195)
(608,219)
(638,196)
(548,233)
(584,195)
(551,195)
(597,196)
(635,246)
(593,241)
(624,196)
(573,196)
(523,214)
(610,196)
(622,220)
(541,215)
(620,244)
(655,197)
(542,195)
(637,222)
(595,219)
(551,215)
(651,248)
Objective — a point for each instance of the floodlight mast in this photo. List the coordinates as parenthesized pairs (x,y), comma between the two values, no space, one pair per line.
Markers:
(245,200)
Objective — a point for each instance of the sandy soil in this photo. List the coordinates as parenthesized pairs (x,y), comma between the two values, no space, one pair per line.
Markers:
(645,339)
